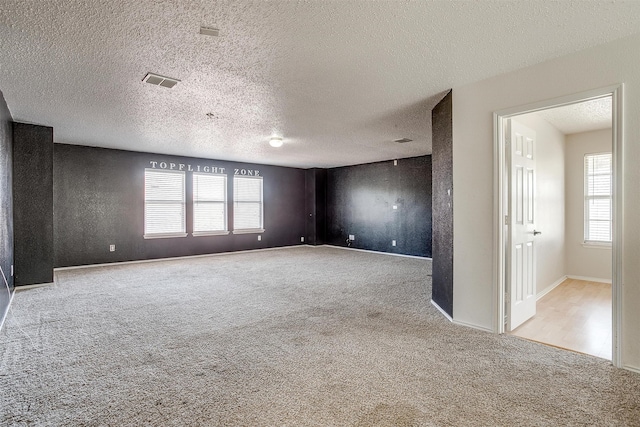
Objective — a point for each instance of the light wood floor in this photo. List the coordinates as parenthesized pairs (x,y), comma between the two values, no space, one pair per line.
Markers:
(576,315)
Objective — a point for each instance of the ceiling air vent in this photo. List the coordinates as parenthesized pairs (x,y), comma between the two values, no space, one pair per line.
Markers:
(213,32)
(402,140)
(158,80)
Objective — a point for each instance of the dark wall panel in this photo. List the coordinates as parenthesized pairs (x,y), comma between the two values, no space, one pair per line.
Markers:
(360,200)
(99,201)
(321,206)
(33,203)
(315,191)
(6,207)
(310,206)
(442,157)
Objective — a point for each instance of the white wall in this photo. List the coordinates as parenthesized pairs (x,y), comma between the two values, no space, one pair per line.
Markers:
(593,262)
(475,286)
(550,200)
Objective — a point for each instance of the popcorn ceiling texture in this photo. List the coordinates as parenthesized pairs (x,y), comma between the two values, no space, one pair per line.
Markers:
(583,117)
(338,80)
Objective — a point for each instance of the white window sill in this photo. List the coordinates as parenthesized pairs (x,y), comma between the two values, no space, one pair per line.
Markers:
(210,233)
(597,245)
(164,235)
(249,231)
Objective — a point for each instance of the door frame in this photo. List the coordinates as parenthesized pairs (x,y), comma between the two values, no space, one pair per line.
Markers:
(500,179)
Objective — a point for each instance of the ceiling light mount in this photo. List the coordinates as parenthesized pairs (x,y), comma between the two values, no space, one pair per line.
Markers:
(158,80)
(275,141)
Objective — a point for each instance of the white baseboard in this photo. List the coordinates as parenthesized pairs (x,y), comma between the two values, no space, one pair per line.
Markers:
(631,368)
(474,326)
(589,279)
(27,287)
(143,261)
(550,288)
(378,252)
(444,313)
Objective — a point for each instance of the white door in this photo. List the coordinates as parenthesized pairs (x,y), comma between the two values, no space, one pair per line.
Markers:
(521,300)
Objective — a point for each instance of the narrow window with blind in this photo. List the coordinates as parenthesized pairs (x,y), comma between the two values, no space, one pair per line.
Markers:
(209,204)
(597,198)
(164,204)
(247,205)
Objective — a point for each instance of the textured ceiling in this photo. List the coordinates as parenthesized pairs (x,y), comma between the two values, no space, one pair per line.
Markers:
(582,117)
(338,80)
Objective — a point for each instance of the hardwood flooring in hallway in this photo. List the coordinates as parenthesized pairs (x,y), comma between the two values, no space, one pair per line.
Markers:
(576,315)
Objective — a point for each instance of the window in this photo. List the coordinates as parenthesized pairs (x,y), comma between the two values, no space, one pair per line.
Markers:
(597,198)
(164,204)
(247,205)
(209,204)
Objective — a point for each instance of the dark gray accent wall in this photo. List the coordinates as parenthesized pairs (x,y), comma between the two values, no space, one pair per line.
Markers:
(6,207)
(99,201)
(315,196)
(32,203)
(360,200)
(442,158)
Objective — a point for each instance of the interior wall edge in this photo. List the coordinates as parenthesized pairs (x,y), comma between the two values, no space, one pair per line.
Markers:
(7,252)
(443,205)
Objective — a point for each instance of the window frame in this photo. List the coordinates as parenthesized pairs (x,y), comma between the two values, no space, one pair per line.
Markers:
(183,203)
(588,197)
(259,229)
(194,202)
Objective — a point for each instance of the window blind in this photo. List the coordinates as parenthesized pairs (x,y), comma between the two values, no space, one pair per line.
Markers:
(597,207)
(209,203)
(164,203)
(247,203)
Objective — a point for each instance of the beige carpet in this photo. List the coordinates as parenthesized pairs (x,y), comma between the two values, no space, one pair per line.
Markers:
(293,337)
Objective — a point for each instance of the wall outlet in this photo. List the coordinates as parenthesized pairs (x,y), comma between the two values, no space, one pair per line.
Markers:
(112,248)
(259,237)
(395,207)
(302,239)
(393,243)
(352,237)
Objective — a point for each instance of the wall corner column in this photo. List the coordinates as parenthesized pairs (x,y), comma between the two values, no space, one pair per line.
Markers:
(315,205)
(33,204)
(442,182)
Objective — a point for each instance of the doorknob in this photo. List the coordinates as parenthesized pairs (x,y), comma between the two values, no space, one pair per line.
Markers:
(535,233)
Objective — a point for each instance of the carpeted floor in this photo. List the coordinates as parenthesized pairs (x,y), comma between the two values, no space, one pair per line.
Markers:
(292,337)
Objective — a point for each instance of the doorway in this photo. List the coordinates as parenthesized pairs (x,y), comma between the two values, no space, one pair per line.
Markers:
(510,254)
(573,219)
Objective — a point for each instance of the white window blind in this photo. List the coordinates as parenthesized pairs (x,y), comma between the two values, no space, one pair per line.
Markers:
(209,203)
(164,203)
(247,204)
(597,198)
